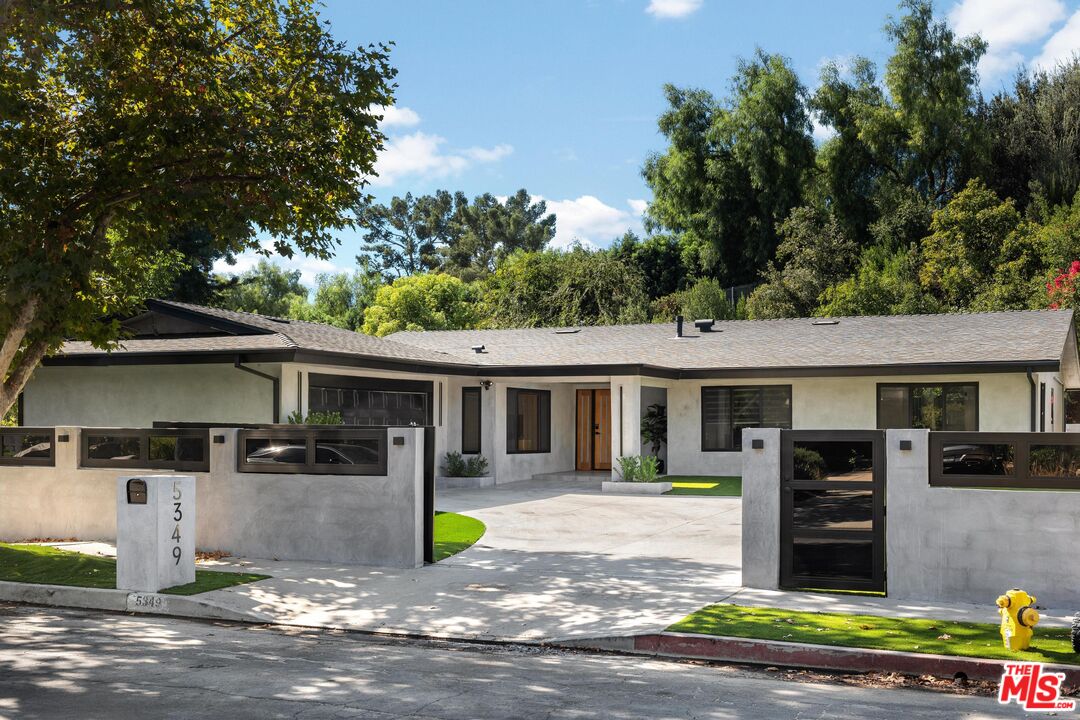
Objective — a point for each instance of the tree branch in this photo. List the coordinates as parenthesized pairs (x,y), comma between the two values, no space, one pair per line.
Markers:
(28,362)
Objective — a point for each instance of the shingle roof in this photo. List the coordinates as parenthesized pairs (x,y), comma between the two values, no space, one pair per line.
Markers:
(963,338)
(791,343)
(281,334)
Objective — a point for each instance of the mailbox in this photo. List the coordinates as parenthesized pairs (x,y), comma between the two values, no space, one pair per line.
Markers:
(155,532)
(136,491)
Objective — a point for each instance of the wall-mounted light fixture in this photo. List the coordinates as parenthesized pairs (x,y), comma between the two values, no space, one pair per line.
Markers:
(905,444)
(486,384)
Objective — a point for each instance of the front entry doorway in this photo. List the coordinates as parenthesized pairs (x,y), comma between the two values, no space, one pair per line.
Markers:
(593,429)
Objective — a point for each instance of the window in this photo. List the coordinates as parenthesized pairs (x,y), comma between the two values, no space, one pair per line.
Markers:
(470,420)
(371,401)
(314,451)
(528,421)
(160,448)
(725,411)
(941,406)
(1072,407)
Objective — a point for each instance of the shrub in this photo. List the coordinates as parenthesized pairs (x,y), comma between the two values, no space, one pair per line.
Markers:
(809,462)
(648,468)
(316,417)
(628,468)
(476,466)
(457,466)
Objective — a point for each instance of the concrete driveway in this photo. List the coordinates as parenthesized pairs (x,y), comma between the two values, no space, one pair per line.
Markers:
(559,560)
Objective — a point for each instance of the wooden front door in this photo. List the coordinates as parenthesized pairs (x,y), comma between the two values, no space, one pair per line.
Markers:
(593,436)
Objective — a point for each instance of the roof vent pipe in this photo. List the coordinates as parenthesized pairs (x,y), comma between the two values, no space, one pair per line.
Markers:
(478,349)
(704,325)
(678,326)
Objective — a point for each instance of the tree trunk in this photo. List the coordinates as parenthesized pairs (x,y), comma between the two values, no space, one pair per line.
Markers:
(18,360)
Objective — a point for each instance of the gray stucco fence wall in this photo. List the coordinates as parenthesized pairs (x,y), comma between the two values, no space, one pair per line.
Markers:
(970,545)
(761,509)
(364,520)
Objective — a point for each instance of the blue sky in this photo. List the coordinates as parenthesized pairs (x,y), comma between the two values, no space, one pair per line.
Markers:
(561,96)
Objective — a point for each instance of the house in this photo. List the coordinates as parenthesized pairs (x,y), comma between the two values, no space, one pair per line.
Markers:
(559,399)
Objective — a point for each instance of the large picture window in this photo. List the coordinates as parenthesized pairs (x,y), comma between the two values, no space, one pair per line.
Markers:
(470,420)
(528,421)
(725,411)
(931,406)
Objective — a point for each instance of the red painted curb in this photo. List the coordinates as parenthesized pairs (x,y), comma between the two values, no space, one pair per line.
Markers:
(821,657)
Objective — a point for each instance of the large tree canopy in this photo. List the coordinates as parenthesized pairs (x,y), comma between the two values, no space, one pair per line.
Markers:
(126,120)
(733,169)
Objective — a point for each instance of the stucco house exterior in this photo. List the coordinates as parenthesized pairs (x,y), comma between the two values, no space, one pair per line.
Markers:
(571,399)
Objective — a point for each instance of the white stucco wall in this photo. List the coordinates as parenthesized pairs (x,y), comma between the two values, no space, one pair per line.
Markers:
(831,403)
(138,395)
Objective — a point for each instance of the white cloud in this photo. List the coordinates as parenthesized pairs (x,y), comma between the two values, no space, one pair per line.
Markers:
(309,267)
(819,130)
(673,8)
(422,155)
(589,221)
(1062,45)
(1005,25)
(396,116)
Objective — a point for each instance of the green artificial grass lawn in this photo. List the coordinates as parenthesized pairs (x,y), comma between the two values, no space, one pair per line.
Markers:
(454,533)
(940,637)
(53,566)
(703,485)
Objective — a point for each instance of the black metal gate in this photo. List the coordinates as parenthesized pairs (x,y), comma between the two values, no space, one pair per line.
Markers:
(832,510)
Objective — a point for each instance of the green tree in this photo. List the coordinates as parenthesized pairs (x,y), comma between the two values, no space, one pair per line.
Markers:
(123,121)
(340,299)
(1035,136)
(658,257)
(565,288)
(886,282)
(435,301)
(403,237)
(706,300)
(732,170)
(971,240)
(815,253)
(486,231)
(196,282)
(265,289)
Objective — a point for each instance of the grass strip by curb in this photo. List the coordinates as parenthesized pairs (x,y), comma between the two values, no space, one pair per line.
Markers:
(52,566)
(719,486)
(454,533)
(939,637)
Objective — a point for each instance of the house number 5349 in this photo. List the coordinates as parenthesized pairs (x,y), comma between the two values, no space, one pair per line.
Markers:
(178,514)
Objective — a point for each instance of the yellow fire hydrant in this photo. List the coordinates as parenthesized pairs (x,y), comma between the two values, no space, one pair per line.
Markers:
(1018,617)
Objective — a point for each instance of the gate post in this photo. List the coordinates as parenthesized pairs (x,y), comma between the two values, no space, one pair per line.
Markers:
(761,508)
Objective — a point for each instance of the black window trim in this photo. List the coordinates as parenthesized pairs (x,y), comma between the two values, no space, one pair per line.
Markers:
(909,385)
(144,462)
(511,447)
(701,402)
(49,461)
(312,436)
(478,391)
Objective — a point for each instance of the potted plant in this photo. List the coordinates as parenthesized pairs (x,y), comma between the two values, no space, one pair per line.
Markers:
(654,431)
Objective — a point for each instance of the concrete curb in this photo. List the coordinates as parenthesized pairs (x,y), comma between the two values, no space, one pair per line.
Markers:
(803,655)
(190,606)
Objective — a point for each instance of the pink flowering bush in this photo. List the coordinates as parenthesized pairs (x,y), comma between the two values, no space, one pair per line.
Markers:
(1061,291)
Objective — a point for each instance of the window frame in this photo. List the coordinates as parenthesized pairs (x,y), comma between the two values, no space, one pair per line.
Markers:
(544,439)
(143,462)
(909,386)
(311,436)
(731,419)
(49,461)
(478,391)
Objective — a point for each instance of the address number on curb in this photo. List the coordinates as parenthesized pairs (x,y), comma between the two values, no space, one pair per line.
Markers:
(147,602)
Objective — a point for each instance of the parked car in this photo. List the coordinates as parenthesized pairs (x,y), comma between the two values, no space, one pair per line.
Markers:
(975,460)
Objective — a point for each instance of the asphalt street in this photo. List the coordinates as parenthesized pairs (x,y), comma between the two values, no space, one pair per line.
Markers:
(83,664)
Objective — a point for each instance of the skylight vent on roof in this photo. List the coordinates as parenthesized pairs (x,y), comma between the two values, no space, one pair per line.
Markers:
(826,322)
(567,331)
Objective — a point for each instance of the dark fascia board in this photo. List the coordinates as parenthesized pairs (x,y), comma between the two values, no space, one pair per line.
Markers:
(379,363)
(231,327)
